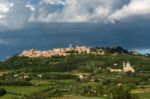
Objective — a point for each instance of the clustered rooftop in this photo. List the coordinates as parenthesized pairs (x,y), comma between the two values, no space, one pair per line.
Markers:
(56,51)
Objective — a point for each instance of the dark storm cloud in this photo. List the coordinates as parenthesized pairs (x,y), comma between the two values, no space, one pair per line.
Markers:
(131,35)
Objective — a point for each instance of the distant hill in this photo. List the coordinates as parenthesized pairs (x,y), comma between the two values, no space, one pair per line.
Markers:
(85,62)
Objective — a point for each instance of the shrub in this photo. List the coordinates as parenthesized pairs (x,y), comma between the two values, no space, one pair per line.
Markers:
(106,82)
(2,91)
(28,78)
(145,78)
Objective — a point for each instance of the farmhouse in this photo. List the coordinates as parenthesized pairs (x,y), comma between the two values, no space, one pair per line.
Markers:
(127,67)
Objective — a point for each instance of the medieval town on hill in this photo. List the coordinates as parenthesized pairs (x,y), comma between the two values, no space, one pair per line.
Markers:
(127,67)
(56,51)
(76,49)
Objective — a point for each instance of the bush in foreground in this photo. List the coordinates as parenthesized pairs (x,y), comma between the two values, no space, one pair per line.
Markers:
(2,91)
(121,92)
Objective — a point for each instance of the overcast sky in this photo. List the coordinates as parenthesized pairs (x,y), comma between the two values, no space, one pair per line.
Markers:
(45,24)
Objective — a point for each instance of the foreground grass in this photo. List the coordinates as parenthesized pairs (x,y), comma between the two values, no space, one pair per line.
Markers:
(24,90)
(144,95)
(21,91)
(8,96)
(77,97)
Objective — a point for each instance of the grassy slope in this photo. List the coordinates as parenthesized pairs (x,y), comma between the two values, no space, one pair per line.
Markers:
(140,63)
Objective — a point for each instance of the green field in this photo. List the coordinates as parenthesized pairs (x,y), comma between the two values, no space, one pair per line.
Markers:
(77,97)
(77,76)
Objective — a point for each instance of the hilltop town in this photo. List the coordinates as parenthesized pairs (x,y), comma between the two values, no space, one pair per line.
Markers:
(77,50)
(56,51)
(126,67)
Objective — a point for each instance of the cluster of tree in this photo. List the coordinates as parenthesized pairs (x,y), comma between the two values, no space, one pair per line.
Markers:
(121,92)
(116,92)
(111,50)
(93,91)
